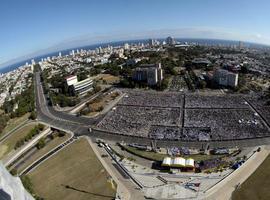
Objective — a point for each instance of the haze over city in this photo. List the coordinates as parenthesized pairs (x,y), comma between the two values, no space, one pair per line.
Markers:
(30,28)
(134,100)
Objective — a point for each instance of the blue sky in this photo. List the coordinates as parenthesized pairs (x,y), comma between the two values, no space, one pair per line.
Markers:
(31,27)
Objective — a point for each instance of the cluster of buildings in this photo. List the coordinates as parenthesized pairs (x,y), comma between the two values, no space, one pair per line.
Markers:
(168,41)
(79,87)
(152,74)
(14,82)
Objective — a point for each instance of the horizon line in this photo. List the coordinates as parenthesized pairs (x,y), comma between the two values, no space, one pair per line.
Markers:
(39,53)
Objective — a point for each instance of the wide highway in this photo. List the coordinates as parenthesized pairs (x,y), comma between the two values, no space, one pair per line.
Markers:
(80,125)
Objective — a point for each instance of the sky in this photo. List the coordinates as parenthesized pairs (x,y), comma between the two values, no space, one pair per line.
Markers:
(35,27)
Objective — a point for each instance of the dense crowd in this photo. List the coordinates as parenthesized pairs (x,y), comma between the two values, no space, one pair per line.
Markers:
(212,163)
(178,84)
(165,132)
(152,99)
(217,101)
(159,116)
(227,124)
(137,121)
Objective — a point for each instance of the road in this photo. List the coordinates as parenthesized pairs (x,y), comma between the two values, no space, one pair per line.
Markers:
(125,188)
(9,133)
(47,155)
(80,125)
(14,156)
(224,189)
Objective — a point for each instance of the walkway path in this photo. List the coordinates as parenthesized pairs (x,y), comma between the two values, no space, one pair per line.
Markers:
(125,188)
(224,189)
(14,155)
(9,133)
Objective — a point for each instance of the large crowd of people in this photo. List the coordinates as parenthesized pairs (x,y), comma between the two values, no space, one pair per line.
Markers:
(161,116)
(227,124)
(133,120)
(215,101)
(152,99)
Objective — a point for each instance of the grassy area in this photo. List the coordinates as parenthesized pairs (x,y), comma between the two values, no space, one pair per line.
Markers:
(257,185)
(10,142)
(12,123)
(159,157)
(97,105)
(73,173)
(49,146)
(108,78)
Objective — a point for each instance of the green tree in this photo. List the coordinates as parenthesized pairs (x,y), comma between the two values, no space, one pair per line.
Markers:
(27,183)
(33,115)
(41,143)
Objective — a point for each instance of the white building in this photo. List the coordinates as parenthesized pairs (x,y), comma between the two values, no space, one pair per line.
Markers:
(79,87)
(11,188)
(83,86)
(178,162)
(150,73)
(225,78)
(126,46)
(71,80)
(170,41)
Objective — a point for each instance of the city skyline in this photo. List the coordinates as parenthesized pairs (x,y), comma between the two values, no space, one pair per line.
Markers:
(34,29)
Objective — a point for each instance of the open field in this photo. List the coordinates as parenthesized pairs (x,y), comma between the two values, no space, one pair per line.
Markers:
(10,142)
(257,185)
(12,123)
(40,152)
(98,104)
(159,157)
(73,173)
(108,78)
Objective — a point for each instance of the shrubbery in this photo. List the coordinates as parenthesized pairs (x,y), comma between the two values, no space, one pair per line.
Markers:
(36,130)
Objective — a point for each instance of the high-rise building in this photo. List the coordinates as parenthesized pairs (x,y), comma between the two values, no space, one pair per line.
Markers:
(79,87)
(225,78)
(241,45)
(150,73)
(33,62)
(151,42)
(126,46)
(72,53)
(170,40)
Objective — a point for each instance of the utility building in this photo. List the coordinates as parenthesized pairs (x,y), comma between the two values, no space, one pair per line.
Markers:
(225,78)
(79,87)
(152,74)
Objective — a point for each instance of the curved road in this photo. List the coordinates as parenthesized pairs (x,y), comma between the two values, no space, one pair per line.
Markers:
(80,125)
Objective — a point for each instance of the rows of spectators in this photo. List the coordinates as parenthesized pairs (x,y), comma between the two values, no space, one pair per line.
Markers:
(265,112)
(227,124)
(215,101)
(137,121)
(165,132)
(152,99)
(159,116)
(176,133)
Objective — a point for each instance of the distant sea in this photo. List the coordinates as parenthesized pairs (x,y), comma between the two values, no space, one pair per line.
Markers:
(121,43)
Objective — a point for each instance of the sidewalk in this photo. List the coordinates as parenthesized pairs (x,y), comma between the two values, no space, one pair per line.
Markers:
(122,191)
(224,189)
(14,155)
